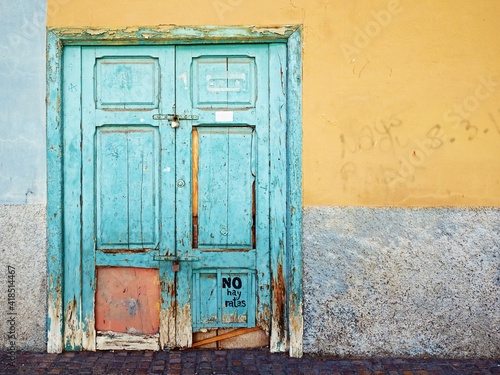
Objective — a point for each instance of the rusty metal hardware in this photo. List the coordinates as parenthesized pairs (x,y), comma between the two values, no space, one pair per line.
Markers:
(170,258)
(175,260)
(174,117)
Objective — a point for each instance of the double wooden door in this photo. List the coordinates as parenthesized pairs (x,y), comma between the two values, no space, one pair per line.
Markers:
(167,193)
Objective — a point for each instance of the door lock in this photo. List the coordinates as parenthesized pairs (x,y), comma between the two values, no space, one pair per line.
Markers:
(175,121)
(175,260)
(174,118)
(175,265)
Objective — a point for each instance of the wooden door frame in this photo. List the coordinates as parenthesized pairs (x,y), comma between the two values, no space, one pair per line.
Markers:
(286,253)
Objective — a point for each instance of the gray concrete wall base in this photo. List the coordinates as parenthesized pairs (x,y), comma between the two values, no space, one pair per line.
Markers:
(23,246)
(390,282)
(402,282)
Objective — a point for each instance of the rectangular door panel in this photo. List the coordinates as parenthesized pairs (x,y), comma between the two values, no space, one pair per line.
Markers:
(128,300)
(225,187)
(223,82)
(126,83)
(223,298)
(127,187)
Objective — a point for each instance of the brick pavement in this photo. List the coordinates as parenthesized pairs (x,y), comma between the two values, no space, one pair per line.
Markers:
(223,362)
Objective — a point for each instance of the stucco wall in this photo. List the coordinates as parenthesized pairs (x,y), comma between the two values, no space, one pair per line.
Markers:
(22,246)
(404,282)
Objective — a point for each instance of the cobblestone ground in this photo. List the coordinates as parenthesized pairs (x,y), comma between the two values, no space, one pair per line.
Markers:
(222,362)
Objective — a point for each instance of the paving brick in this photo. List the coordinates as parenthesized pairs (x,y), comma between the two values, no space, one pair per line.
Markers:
(227,362)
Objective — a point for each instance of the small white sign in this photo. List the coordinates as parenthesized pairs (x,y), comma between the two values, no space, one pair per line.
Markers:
(224,116)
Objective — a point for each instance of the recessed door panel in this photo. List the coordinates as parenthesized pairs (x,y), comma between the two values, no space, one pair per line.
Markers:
(223,82)
(224,185)
(127,187)
(126,82)
(223,298)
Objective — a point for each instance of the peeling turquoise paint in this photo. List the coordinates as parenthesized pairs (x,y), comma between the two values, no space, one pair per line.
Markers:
(286,268)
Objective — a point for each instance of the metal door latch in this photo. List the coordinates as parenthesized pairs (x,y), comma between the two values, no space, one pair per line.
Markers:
(174,118)
(175,260)
(175,265)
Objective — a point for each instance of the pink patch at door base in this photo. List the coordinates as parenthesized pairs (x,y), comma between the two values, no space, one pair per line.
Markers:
(127,300)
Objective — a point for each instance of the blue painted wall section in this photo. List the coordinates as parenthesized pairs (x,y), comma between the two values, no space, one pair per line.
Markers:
(22,104)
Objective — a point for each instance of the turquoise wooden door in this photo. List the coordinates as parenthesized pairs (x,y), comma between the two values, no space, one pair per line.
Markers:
(222,177)
(172,159)
(128,196)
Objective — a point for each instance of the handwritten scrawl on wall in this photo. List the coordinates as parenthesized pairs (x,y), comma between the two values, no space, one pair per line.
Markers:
(462,122)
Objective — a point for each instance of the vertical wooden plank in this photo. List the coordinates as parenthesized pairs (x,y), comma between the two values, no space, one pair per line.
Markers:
(71,123)
(261,139)
(88,198)
(241,85)
(112,188)
(207,289)
(194,190)
(54,196)
(167,198)
(143,156)
(278,158)
(239,187)
(212,186)
(294,191)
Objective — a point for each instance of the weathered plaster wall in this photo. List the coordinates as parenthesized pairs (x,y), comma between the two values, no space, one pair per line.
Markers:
(400,97)
(22,246)
(404,282)
(22,102)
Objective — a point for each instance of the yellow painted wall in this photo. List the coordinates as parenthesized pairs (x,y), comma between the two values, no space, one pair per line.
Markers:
(401,98)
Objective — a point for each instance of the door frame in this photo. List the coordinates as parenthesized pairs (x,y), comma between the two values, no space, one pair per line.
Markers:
(285,253)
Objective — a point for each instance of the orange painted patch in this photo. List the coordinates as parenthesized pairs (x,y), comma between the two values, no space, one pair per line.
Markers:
(127,300)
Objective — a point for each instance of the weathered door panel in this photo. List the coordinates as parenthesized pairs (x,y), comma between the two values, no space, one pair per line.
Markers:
(125,221)
(223,182)
(225,187)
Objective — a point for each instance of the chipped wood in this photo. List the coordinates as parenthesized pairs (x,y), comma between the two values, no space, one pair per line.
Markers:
(195,167)
(126,341)
(166,34)
(55,324)
(279,340)
(291,289)
(296,324)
